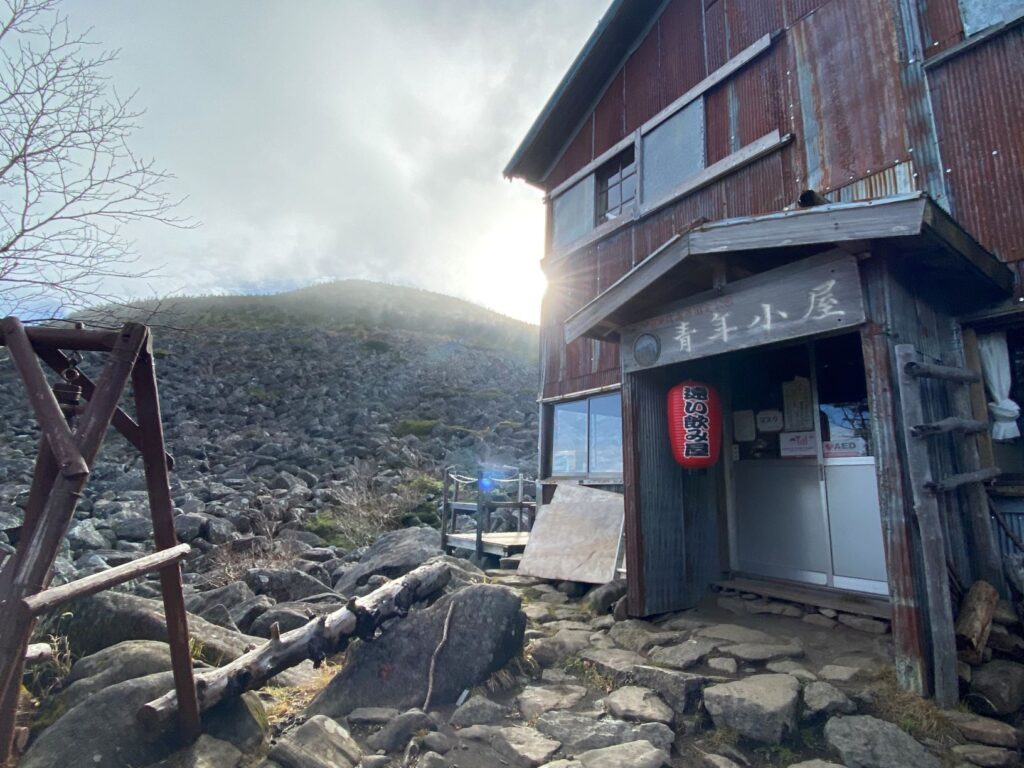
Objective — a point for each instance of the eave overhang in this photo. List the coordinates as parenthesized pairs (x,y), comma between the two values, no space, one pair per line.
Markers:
(615,35)
(912,226)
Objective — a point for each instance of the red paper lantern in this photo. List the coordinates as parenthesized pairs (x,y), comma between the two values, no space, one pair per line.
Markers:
(695,424)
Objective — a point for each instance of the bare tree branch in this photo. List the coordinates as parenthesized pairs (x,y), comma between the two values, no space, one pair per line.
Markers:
(69,181)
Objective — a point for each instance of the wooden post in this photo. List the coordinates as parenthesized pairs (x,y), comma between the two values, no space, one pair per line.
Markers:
(147,405)
(933,546)
(446,485)
(519,501)
(481,503)
(632,498)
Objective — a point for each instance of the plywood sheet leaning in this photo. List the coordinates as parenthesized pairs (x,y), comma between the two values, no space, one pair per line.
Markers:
(576,536)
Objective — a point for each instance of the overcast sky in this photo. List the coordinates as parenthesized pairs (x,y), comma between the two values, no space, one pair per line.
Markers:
(332,138)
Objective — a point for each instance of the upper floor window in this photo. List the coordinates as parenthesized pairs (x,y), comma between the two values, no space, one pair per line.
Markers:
(616,186)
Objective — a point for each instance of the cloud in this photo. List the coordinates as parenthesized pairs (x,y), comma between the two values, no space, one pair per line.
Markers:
(346,139)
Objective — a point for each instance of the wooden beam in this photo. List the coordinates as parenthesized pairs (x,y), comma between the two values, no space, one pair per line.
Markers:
(979,403)
(956,238)
(97,582)
(952,482)
(634,534)
(949,373)
(933,546)
(71,338)
(952,424)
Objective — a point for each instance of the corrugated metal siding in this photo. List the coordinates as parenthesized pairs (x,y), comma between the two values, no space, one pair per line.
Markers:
(797,9)
(717,132)
(1012,510)
(681,30)
(978,98)
(756,189)
(643,86)
(751,19)
(892,181)
(758,99)
(716,35)
(941,26)
(610,115)
(579,152)
(851,99)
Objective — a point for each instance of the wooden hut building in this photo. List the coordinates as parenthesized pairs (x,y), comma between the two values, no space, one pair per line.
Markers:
(812,208)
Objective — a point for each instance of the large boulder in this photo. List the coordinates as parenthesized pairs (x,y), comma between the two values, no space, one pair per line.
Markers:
(632,754)
(485,632)
(394,554)
(284,584)
(107,618)
(124,661)
(761,707)
(103,732)
(207,752)
(997,688)
(867,742)
(580,732)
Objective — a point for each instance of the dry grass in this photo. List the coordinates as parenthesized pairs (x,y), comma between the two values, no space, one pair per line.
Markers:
(227,566)
(921,718)
(287,703)
(589,674)
(365,509)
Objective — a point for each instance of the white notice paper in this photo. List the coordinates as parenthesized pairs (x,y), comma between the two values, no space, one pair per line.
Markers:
(796,399)
(743,429)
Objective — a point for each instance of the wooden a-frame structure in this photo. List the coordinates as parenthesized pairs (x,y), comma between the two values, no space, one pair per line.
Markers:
(71,438)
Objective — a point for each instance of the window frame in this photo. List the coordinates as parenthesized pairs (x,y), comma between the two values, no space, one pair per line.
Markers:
(550,438)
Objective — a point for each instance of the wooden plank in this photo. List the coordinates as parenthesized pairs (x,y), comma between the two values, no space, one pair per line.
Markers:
(97,582)
(909,645)
(933,546)
(818,298)
(501,544)
(951,424)
(979,403)
(576,536)
(632,523)
(952,482)
(878,608)
(943,372)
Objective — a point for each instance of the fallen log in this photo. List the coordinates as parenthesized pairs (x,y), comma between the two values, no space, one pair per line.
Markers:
(974,623)
(315,640)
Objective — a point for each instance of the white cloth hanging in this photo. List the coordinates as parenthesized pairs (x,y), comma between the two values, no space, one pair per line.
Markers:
(995,365)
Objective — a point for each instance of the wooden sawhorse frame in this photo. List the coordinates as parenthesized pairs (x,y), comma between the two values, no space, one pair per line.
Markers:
(62,467)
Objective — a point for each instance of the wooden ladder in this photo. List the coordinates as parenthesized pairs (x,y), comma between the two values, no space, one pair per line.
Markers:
(926,489)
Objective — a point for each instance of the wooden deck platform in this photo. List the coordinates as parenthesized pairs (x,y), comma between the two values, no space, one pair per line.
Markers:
(847,602)
(500,544)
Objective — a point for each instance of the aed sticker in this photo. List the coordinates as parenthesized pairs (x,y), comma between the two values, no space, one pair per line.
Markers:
(845,448)
(797,444)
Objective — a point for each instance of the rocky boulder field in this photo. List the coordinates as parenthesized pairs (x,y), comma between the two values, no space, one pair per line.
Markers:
(498,669)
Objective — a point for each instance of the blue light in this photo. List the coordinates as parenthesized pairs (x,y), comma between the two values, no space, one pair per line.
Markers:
(486,483)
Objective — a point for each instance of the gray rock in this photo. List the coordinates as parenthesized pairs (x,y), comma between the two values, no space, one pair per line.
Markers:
(371,715)
(684,655)
(189,526)
(394,554)
(735,634)
(219,615)
(763,652)
(867,742)
(318,743)
(633,754)
(245,613)
(84,735)
(526,745)
(640,636)
(821,698)
(289,616)
(432,760)
(864,623)
(124,661)
(132,527)
(633,702)
(283,584)
(84,535)
(207,752)
(989,757)
(552,651)
(486,631)
(230,596)
(478,710)
(437,742)
(680,690)
(578,733)
(984,730)
(396,733)
(536,699)
(761,708)
(602,598)
(997,688)
(615,663)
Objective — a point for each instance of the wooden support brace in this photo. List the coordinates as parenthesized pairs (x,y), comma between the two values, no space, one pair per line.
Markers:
(97,582)
(944,372)
(952,482)
(42,399)
(952,424)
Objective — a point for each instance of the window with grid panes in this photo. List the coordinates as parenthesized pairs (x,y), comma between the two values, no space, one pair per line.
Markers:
(616,186)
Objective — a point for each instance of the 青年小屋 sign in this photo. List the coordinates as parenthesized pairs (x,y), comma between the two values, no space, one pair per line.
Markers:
(760,310)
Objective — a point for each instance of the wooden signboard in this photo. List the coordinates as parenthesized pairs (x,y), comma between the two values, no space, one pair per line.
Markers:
(787,303)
